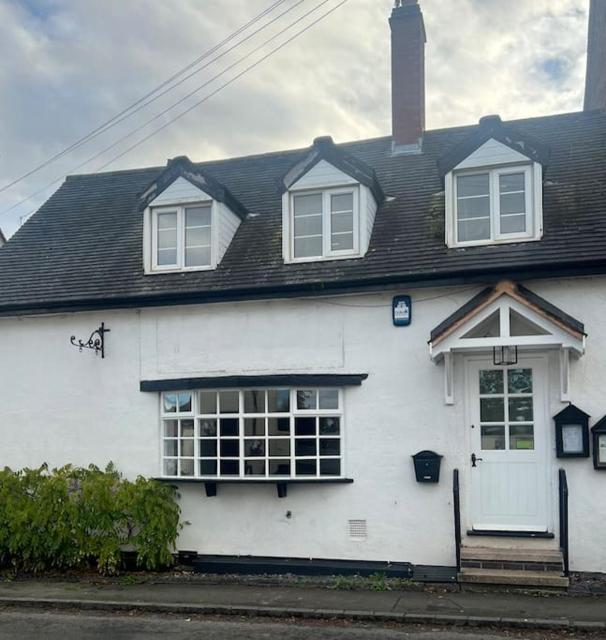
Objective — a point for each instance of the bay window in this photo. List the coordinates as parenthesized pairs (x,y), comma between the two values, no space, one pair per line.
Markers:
(252,433)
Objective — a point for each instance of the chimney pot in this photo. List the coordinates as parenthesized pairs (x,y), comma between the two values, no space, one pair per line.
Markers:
(595,83)
(407,75)
(490,121)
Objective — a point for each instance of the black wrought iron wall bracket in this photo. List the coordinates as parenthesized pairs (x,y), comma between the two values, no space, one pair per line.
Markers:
(96,342)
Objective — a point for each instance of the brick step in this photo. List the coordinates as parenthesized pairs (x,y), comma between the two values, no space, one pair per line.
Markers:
(513,578)
(502,554)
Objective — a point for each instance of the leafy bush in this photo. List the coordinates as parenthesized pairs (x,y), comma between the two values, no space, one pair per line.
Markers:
(73,517)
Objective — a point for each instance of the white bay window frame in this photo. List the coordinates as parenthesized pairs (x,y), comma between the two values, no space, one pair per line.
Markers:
(197,416)
(327,252)
(180,210)
(532,197)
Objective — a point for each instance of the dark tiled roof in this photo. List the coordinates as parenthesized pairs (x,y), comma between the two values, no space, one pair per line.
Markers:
(2,238)
(84,246)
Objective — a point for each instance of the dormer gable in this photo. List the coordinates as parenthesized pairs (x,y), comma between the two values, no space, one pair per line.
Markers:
(190,219)
(329,202)
(493,184)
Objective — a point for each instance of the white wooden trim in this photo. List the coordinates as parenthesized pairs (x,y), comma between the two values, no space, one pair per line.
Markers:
(565,374)
(449,398)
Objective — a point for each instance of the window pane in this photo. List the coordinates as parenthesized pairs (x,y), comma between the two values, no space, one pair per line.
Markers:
(308,226)
(279,467)
(171,428)
(229,468)
(491,381)
(197,257)
(513,224)
(513,203)
(197,237)
(305,447)
(308,204)
(519,380)
(279,448)
(330,467)
(341,242)
(511,182)
(208,468)
(229,427)
(308,247)
(278,426)
(254,401)
(474,185)
(342,222)
(471,230)
(230,448)
(521,436)
(170,448)
(229,401)
(208,428)
(187,428)
(208,402)
(254,426)
(167,238)
(305,426)
(185,402)
(341,202)
(473,208)
(306,467)
(493,438)
(187,448)
(170,467)
(330,446)
(329,426)
(208,448)
(170,402)
(278,400)
(306,399)
(254,467)
(197,217)
(167,257)
(254,448)
(187,467)
(328,399)
(520,410)
(492,409)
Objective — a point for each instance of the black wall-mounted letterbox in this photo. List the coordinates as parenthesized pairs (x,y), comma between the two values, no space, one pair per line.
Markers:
(427,466)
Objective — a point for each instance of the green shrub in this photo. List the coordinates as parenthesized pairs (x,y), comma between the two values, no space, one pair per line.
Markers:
(73,517)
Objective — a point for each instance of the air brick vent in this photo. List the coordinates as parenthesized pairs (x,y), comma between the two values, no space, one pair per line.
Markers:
(357,529)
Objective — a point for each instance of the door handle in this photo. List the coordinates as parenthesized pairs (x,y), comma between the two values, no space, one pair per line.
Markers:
(475,459)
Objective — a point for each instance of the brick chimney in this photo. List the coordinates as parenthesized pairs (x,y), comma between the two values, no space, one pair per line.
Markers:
(407,76)
(595,83)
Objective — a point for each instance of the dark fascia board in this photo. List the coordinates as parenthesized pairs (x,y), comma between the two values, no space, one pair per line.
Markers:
(572,411)
(550,309)
(325,149)
(182,167)
(480,276)
(238,382)
(493,128)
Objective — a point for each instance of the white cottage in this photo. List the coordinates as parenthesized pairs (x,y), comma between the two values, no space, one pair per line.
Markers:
(278,335)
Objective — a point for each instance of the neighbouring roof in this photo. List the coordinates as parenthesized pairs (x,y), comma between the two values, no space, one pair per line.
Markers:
(83,249)
(516,291)
(2,238)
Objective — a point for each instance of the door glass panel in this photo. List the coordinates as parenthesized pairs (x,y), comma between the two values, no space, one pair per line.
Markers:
(492,409)
(493,437)
(521,436)
(520,409)
(491,382)
(519,380)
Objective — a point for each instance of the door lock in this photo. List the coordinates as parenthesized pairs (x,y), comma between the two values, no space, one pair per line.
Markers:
(475,459)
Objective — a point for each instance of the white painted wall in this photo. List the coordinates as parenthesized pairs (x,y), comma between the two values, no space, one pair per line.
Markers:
(58,405)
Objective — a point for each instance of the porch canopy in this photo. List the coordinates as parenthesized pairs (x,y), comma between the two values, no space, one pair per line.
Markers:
(507,317)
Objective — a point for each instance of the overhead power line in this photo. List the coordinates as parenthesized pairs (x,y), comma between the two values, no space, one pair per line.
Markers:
(145,100)
(196,104)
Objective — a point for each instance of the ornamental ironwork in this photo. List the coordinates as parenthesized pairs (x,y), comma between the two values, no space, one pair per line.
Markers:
(96,342)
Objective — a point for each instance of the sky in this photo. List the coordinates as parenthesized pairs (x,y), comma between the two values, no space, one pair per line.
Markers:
(68,66)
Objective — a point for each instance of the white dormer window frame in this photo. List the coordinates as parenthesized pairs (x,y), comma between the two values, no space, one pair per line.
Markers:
(490,199)
(328,217)
(180,211)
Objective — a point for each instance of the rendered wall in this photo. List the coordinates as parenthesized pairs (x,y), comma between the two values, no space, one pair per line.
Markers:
(60,406)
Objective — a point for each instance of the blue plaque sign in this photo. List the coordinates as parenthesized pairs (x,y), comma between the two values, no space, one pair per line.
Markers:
(402,311)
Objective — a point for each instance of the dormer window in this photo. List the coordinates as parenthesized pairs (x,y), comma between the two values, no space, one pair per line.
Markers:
(493,205)
(182,237)
(325,223)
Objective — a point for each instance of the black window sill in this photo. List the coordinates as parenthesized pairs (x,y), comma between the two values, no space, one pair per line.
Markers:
(281,484)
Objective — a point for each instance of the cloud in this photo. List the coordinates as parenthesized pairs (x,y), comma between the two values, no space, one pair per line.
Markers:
(68,65)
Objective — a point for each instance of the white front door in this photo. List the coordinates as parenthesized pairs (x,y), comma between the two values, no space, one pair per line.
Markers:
(509,430)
